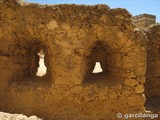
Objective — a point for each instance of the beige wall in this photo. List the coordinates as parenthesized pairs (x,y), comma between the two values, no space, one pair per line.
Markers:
(144,20)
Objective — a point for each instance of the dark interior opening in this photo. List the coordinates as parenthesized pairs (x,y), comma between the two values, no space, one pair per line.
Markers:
(152,103)
(100,70)
(97,64)
(152,78)
(34,69)
(152,84)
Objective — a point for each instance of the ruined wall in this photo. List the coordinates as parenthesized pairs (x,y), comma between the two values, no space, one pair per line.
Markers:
(143,20)
(152,84)
(153,61)
(69,35)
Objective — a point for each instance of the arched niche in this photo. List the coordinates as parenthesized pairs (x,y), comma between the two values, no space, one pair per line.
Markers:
(97,61)
(98,56)
(35,53)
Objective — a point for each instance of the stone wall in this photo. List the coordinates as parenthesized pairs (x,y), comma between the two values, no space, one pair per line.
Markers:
(72,36)
(153,61)
(152,84)
(143,20)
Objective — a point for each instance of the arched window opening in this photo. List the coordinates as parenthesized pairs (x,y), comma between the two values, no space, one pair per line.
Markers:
(35,66)
(97,64)
(42,69)
(102,66)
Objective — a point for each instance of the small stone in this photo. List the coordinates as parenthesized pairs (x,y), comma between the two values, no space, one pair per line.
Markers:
(136,100)
(140,71)
(52,25)
(33,118)
(77,90)
(142,80)
(21,117)
(113,95)
(130,82)
(139,89)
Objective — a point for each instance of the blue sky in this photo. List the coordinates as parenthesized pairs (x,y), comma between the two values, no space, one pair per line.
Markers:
(135,7)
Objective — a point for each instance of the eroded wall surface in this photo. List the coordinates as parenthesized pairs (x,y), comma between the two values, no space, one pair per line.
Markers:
(70,36)
(144,20)
(153,61)
(152,84)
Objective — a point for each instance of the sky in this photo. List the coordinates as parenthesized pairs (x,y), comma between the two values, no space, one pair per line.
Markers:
(135,7)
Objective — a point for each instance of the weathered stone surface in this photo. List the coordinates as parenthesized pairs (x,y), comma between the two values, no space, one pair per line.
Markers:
(130,82)
(139,88)
(52,25)
(73,38)
(135,100)
(152,84)
(7,116)
(144,20)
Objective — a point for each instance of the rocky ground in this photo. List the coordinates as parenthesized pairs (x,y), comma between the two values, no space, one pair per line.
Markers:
(7,116)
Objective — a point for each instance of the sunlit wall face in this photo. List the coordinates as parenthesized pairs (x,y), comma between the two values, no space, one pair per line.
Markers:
(133,6)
